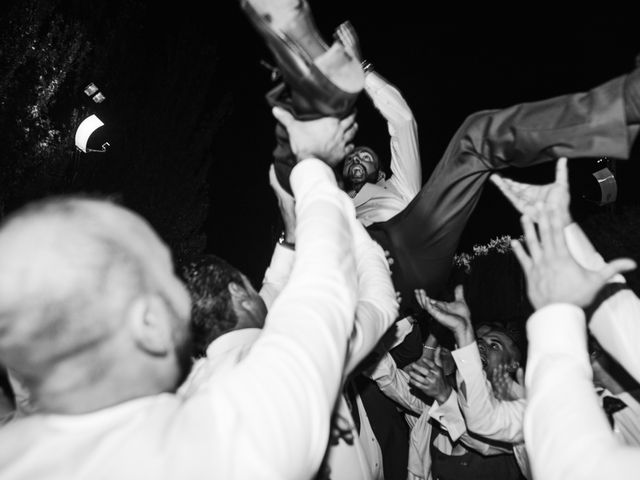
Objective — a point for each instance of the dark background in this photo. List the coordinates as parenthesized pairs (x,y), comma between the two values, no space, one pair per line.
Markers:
(191,134)
(446,66)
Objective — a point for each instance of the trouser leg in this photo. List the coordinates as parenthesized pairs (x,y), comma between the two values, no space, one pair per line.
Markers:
(423,238)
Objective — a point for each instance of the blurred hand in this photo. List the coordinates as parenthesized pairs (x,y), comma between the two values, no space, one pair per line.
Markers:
(341,428)
(504,387)
(428,378)
(553,276)
(327,138)
(286,205)
(524,197)
(347,35)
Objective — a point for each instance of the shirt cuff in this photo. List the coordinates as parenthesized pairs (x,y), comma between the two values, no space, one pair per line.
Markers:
(467,358)
(447,414)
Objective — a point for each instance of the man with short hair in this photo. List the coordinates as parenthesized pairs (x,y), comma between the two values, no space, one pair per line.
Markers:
(94,320)
(228,314)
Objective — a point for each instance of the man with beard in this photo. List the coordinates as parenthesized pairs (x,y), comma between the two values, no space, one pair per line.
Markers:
(423,235)
(95,322)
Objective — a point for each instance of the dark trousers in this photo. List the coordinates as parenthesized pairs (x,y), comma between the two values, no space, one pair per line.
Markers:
(473,466)
(423,237)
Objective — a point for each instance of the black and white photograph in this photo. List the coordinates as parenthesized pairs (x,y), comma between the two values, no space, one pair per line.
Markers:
(318,240)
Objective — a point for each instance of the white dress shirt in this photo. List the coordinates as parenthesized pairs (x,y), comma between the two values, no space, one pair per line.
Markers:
(375,311)
(267,417)
(394,383)
(378,202)
(485,415)
(566,431)
(616,323)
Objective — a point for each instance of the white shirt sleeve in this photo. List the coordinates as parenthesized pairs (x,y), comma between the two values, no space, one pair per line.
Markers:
(270,414)
(450,417)
(405,153)
(277,274)
(616,322)
(377,306)
(566,432)
(394,383)
(485,414)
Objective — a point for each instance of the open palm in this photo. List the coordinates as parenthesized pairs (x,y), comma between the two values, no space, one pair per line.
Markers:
(526,198)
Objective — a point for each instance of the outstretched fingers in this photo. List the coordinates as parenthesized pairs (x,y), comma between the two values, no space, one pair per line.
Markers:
(531,238)
(350,132)
(282,116)
(421,297)
(524,259)
(619,265)
(562,173)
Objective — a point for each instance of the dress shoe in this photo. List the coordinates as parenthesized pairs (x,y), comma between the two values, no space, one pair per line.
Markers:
(328,78)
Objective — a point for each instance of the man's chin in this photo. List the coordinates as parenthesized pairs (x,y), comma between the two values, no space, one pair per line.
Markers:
(357,180)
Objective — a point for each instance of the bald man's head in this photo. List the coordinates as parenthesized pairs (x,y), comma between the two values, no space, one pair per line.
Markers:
(75,274)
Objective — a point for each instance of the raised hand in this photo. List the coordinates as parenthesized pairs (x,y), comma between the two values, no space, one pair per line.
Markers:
(553,276)
(525,197)
(341,429)
(429,378)
(327,138)
(504,386)
(453,315)
(347,35)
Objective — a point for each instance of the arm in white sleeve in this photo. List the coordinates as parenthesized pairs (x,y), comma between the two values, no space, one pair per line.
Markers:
(616,322)
(394,383)
(405,153)
(377,306)
(271,413)
(566,432)
(485,414)
(449,416)
(277,274)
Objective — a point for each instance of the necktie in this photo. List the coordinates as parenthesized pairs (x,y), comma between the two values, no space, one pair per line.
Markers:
(612,405)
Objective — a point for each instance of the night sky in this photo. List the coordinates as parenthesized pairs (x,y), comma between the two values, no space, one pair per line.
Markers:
(446,69)
(185,92)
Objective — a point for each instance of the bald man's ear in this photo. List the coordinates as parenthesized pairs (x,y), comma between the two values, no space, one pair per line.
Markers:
(151,326)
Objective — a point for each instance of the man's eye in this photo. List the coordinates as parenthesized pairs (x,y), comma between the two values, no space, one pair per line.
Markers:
(495,346)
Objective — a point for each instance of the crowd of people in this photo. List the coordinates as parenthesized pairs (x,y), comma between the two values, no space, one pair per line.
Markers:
(351,360)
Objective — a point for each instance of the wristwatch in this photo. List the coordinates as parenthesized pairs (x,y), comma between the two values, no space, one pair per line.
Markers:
(282,241)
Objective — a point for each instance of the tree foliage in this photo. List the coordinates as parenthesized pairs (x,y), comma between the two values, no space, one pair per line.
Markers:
(163,108)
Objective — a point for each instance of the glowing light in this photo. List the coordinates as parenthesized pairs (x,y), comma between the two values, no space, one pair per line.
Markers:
(85,129)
